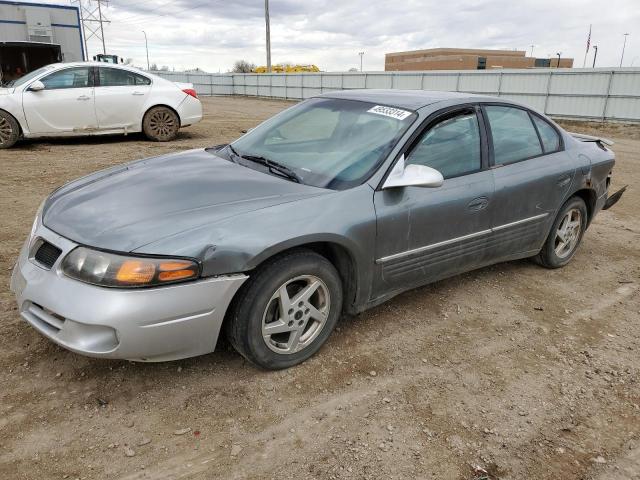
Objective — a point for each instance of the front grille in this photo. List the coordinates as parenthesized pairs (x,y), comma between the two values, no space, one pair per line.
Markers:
(47,254)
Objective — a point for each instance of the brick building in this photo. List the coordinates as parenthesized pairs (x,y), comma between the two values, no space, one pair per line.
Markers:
(468,59)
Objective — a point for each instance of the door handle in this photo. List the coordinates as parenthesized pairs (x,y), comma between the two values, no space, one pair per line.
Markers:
(137,93)
(478,204)
(84,97)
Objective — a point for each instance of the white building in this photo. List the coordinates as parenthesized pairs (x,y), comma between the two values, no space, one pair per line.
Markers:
(45,23)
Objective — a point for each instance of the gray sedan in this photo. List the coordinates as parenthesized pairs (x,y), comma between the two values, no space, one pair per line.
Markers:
(329,208)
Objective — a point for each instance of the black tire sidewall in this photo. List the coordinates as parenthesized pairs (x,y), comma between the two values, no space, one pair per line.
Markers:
(248,313)
(15,130)
(548,253)
(149,134)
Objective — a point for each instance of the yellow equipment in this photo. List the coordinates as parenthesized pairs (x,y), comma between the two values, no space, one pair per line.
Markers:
(288,69)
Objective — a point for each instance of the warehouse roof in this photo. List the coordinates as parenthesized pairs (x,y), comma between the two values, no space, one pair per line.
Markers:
(411,99)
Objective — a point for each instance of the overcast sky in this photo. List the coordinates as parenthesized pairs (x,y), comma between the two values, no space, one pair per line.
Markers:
(213,34)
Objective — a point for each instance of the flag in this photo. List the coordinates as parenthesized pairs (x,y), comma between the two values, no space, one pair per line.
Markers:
(587,50)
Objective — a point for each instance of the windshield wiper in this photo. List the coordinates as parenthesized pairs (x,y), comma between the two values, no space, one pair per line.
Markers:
(271,164)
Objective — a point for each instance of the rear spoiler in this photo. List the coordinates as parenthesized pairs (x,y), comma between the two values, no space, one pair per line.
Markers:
(588,138)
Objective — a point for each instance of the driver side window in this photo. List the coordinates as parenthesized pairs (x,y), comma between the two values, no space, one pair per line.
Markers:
(451,146)
(68,78)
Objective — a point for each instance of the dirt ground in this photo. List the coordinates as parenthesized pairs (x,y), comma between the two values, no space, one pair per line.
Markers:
(510,372)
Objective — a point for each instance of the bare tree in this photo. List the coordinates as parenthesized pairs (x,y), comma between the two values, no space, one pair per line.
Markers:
(242,66)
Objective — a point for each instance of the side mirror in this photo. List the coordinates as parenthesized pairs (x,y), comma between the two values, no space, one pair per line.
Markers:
(413,176)
(36,86)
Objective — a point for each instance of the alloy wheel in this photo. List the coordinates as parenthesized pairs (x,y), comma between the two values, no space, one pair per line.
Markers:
(6,131)
(568,233)
(162,124)
(296,314)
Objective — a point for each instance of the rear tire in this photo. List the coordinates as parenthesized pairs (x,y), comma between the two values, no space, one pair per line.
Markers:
(286,311)
(9,130)
(565,235)
(161,124)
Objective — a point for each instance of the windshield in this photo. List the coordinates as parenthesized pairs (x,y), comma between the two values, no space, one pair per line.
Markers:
(328,143)
(28,77)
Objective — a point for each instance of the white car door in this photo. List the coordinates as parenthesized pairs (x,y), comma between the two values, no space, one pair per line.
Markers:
(121,96)
(66,105)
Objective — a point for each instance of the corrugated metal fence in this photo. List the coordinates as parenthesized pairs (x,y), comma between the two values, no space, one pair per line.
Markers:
(594,94)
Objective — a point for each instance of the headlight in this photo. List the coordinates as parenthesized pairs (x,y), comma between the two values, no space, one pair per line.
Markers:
(36,221)
(112,270)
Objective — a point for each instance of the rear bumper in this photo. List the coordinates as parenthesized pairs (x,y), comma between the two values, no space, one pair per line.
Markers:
(190,111)
(155,324)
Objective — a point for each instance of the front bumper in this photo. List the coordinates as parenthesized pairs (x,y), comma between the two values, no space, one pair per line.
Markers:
(151,324)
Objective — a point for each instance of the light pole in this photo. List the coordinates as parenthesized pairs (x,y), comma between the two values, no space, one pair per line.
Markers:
(558,54)
(595,55)
(532,49)
(267,22)
(146,46)
(623,47)
(361,55)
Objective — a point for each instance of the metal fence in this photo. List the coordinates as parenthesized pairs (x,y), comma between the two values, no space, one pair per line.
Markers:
(587,94)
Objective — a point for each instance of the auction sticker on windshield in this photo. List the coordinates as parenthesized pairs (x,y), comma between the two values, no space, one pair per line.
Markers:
(389,112)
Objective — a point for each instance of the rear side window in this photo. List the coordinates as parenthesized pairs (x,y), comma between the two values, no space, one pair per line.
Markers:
(114,77)
(68,78)
(548,135)
(514,136)
(452,146)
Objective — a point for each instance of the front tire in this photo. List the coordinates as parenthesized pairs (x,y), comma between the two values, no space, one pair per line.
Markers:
(286,311)
(161,124)
(565,235)
(9,130)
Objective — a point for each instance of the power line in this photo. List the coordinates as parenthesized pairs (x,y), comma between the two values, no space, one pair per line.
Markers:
(146,12)
(145,16)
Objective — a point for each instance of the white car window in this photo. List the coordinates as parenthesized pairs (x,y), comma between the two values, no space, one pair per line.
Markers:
(114,77)
(68,78)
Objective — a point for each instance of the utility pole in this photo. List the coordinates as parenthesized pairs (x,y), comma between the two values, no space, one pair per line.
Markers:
(623,47)
(361,55)
(532,49)
(595,55)
(266,19)
(146,45)
(92,21)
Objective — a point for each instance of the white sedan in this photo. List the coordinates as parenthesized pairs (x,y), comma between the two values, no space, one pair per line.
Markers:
(91,98)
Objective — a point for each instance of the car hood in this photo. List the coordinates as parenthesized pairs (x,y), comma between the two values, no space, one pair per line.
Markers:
(129,206)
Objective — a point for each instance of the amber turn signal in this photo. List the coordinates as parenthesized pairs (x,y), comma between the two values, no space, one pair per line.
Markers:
(135,272)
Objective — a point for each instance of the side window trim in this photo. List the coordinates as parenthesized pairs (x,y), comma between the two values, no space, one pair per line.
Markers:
(435,118)
(535,127)
(530,113)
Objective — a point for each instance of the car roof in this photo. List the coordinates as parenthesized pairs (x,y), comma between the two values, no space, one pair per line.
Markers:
(409,99)
(95,64)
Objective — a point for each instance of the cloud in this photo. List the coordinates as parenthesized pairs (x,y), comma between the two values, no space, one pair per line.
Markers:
(213,34)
